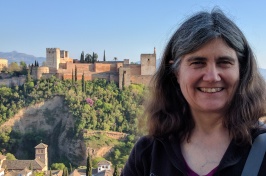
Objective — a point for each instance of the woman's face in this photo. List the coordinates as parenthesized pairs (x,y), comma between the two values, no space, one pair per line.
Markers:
(208,77)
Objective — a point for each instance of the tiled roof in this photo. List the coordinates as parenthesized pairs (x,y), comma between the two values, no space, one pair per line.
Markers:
(41,145)
(40,162)
(54,172)
(15,173)
(78,172)
(104,162)
(22,164)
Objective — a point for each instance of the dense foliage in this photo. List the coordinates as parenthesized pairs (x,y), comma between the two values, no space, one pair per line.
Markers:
(95,105)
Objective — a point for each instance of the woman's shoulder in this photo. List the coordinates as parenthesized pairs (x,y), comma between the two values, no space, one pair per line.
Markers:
(259,130)
(144,142)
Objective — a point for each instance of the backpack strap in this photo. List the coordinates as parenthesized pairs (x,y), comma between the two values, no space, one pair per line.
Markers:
(255,156)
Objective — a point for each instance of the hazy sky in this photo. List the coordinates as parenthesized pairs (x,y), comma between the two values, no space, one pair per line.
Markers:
(124,29)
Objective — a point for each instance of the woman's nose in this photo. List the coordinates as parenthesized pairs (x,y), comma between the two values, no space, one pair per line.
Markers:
(211,74)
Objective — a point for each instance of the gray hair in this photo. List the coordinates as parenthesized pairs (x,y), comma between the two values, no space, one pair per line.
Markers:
(201,28)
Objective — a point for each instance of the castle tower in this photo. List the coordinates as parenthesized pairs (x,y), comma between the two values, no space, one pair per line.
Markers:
(148,63)
(52,58)
(41,153)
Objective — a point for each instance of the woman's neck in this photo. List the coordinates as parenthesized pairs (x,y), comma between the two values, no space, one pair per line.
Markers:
(208,123)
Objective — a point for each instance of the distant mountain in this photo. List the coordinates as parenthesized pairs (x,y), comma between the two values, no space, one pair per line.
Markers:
(15,56)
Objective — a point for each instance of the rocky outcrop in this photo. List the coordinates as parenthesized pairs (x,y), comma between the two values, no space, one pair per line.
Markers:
(53,118)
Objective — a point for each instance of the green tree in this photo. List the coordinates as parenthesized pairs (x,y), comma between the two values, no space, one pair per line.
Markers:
(116,171)
(83,83)
(28,78)
(89,166)
(88,58)
(10,156)
(58,166)
(14,67)
(76,73)
(115,58)
(65,171)
(23,67)
(94,57)
(104,56)
(70,168)
(82,57)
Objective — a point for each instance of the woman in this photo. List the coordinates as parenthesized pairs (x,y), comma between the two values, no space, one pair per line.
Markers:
(205,106)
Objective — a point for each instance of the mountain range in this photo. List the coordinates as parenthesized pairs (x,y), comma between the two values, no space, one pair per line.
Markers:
(15,56)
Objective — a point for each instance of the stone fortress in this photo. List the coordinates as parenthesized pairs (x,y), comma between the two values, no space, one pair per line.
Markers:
(3,63)
(123,73)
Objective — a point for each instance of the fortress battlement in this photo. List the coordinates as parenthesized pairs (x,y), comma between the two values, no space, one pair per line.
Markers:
(123,73)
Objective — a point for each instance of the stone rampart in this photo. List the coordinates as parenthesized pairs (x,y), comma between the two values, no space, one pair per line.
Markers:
(14,81)
(135,69)
(111,134)
(141,79)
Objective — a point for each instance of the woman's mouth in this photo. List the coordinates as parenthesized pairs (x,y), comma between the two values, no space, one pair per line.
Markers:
(210,90)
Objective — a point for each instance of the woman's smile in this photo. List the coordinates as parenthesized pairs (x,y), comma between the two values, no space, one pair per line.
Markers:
(208,77)
(210,90)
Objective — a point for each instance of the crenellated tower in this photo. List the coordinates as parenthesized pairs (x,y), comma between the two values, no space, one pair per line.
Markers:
(148,63)
(53,58)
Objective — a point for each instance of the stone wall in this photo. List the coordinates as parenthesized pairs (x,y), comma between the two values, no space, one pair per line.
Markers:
(14,81)
(81,67)
(135,69)
(106,67)
(37,72)
(141,79)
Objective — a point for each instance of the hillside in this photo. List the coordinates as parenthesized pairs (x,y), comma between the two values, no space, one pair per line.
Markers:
(15,56)
(52,117)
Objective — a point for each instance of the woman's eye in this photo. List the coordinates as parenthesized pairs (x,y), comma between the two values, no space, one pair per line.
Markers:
(197,63)
(225,63)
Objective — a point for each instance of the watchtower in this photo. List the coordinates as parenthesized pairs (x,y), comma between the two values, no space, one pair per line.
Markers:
(41,153)
(53,58)
(148,63)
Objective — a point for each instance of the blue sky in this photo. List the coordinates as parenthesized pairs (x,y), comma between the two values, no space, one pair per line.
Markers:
(124,29)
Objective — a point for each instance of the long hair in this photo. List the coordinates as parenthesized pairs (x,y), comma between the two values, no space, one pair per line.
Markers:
(168,111)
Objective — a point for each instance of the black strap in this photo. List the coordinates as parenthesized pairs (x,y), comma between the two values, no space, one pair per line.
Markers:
(255,156)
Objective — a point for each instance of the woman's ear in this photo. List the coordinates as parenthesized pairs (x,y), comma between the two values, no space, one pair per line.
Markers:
(176,72)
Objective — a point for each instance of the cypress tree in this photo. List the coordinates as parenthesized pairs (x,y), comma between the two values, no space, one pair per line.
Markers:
(89,166)
(93,57)
(116,171)
(82,57)
(70,168)
(104,56)
(83,83)
(76,73)
(72,77)
(65,171)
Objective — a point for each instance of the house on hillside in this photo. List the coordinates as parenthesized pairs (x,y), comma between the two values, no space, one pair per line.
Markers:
(25,167)
(104,169)
(2,170)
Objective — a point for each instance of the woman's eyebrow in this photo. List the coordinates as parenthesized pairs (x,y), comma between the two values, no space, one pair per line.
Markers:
(227,58)
(196,58)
